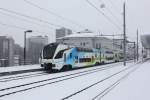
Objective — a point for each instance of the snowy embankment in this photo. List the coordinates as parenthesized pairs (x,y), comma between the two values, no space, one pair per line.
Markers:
(18,68)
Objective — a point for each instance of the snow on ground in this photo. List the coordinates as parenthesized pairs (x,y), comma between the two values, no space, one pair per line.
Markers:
(33,79)
(18,68)
(58,90)
(135,87)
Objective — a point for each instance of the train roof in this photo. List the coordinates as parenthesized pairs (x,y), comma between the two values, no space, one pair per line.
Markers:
(52,44)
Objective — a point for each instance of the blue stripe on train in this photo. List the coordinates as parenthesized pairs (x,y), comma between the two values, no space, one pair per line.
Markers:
(70,60)
(74,54)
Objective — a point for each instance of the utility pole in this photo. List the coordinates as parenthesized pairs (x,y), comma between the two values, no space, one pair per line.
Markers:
(124,33)
(137,45)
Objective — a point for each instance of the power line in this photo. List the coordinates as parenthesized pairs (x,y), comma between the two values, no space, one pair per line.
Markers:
(18,18)
(32,18)
(113,5)
(18,27)
(111,13)
(103,14)
(52,13)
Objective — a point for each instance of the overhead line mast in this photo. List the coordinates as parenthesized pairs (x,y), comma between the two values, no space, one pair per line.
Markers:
(124,32)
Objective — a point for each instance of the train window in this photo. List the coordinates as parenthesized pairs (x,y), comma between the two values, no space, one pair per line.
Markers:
(49,50)
(76,57)
(70,55)
(109,52)
(96,55)
(59,54)
(82,60)
(84,50)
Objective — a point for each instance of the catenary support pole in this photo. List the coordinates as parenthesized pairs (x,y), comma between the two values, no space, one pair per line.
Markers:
(124,32)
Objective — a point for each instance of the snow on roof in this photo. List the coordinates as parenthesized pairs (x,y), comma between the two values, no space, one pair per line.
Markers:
(82,35)
(85,35)
(89,34)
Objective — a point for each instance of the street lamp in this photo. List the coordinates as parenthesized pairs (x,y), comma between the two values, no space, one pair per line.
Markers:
(25,32)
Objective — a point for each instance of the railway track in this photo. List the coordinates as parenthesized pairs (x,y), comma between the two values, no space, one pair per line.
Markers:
(12,78)
(28,86)
(102,80)
(112,86)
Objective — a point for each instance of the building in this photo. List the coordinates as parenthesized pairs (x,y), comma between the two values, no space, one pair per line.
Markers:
(6,51)
(93,40)
(145,40)
(88,40)
(130,47)
(18,55)
(62,32)
(34,46)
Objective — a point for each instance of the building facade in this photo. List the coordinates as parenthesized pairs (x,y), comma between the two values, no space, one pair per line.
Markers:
(6,51)
(145,40)
(88,40)
(18,55)
(34,46)
(62,32)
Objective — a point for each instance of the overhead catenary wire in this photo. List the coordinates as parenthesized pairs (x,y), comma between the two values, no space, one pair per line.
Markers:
(111,21)
(18,27)
(32,18)
(115,8)
(52,13)
(111,13)
(25,20)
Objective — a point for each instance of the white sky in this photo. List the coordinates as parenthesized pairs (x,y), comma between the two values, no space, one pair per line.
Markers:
(78,11)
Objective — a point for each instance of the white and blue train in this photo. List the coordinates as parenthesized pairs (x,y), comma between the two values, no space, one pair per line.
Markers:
(56,56)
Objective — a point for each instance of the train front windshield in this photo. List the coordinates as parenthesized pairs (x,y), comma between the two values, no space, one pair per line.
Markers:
(49,50)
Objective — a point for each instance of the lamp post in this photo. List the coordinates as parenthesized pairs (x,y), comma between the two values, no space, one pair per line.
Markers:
(25,32)
(124,33)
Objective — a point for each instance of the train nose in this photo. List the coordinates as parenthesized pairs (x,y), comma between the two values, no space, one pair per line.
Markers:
(49,66)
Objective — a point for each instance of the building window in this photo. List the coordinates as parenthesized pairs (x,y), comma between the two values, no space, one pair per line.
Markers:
(84,44)
(97,45)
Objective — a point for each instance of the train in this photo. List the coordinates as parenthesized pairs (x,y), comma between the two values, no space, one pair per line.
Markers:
(57,56)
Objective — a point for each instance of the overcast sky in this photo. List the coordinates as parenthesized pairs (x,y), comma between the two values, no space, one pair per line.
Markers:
(78,11)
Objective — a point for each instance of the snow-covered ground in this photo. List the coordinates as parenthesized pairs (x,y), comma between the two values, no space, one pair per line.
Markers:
(18,68)
(134,87)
